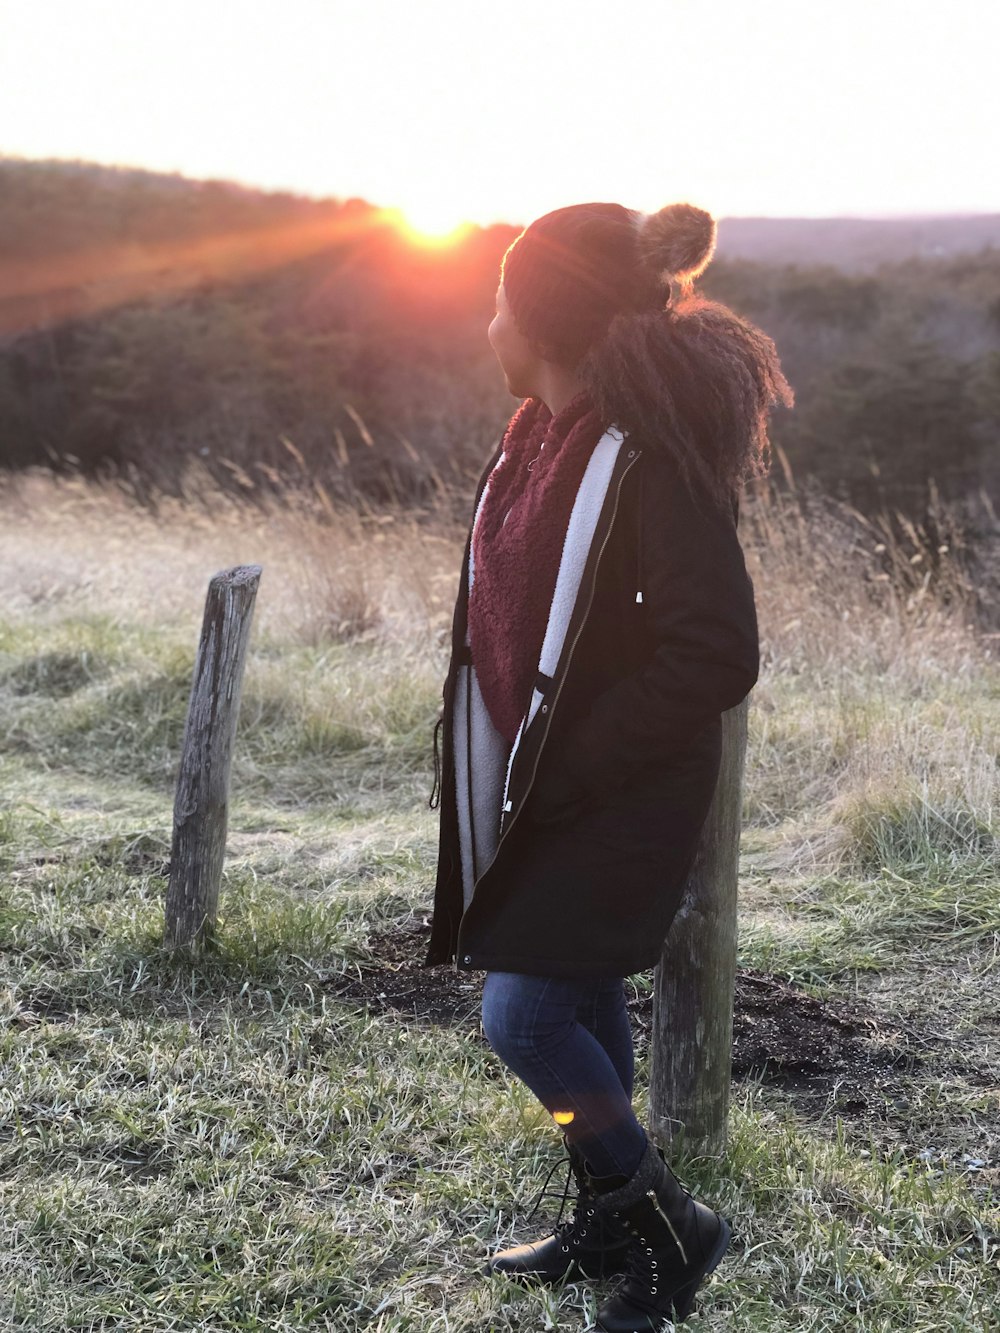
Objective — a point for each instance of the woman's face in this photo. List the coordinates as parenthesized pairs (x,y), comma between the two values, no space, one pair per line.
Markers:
(519,361)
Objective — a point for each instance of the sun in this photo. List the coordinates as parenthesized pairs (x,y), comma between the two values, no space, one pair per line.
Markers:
(431,222)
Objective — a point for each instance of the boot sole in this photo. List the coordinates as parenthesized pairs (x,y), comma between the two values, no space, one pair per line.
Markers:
(684,1296)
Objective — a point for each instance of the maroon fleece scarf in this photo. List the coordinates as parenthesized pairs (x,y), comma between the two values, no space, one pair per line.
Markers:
(517,545)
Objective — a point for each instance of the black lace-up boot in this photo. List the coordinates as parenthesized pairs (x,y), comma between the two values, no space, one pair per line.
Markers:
(589,1244)
(677,1242)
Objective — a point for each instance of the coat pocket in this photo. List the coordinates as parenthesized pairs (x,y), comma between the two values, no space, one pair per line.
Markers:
(555,797)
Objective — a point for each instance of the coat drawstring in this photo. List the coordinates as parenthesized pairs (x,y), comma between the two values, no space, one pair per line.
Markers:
(638,547)
(435,799)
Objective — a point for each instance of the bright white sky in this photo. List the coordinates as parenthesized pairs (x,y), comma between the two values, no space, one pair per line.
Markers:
(503,109)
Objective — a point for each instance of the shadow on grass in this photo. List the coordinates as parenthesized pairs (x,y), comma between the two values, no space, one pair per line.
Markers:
(56,675)
(822,1054)
(257,961)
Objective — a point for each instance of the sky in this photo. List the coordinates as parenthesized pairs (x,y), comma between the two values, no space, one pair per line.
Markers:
(460,110)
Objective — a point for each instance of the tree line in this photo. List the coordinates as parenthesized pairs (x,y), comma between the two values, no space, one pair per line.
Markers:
(148,323)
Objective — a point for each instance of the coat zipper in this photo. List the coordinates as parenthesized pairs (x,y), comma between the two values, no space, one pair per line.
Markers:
(552,709)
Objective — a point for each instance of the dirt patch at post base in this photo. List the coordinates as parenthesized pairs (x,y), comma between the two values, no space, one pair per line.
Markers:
(810,1048)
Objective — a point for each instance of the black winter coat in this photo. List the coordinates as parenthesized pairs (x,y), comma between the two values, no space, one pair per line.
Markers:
(613,778)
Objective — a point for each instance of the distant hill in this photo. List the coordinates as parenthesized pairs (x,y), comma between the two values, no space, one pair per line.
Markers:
(149,323)
(129,204)
(857,244)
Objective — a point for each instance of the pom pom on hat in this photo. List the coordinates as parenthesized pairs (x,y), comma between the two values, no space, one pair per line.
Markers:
(679,240)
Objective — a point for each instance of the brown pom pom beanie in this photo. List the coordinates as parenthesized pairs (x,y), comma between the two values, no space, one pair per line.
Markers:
(573,270)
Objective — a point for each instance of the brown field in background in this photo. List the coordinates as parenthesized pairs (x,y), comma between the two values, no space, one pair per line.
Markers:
(874,700)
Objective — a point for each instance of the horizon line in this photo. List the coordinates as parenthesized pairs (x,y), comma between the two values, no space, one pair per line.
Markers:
(851,215)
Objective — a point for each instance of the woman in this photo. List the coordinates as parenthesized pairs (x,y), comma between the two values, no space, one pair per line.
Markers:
(605,621)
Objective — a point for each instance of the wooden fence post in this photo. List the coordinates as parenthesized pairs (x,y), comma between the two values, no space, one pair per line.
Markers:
(691,1056)
(201,805)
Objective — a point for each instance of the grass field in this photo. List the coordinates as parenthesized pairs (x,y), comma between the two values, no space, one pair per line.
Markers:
(274,1138)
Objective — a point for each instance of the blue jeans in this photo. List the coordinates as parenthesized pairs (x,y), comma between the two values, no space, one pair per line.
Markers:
(570,1041)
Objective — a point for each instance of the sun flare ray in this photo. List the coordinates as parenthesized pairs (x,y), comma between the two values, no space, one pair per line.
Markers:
(40,292)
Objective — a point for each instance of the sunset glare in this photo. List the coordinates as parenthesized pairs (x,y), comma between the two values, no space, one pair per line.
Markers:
(430,224)
(451,111)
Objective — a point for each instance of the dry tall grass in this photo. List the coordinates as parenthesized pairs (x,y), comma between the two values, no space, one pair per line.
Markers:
(876,716)
(75,549)
(874,723)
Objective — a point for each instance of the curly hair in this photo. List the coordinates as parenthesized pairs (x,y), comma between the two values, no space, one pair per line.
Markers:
(694,378)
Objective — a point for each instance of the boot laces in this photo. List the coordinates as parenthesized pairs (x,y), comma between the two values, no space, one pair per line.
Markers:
(641,1270)
(580,1223)
(545,1192)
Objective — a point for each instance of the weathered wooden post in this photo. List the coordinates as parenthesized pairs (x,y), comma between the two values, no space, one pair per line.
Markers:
(692,1045)
(201,805)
